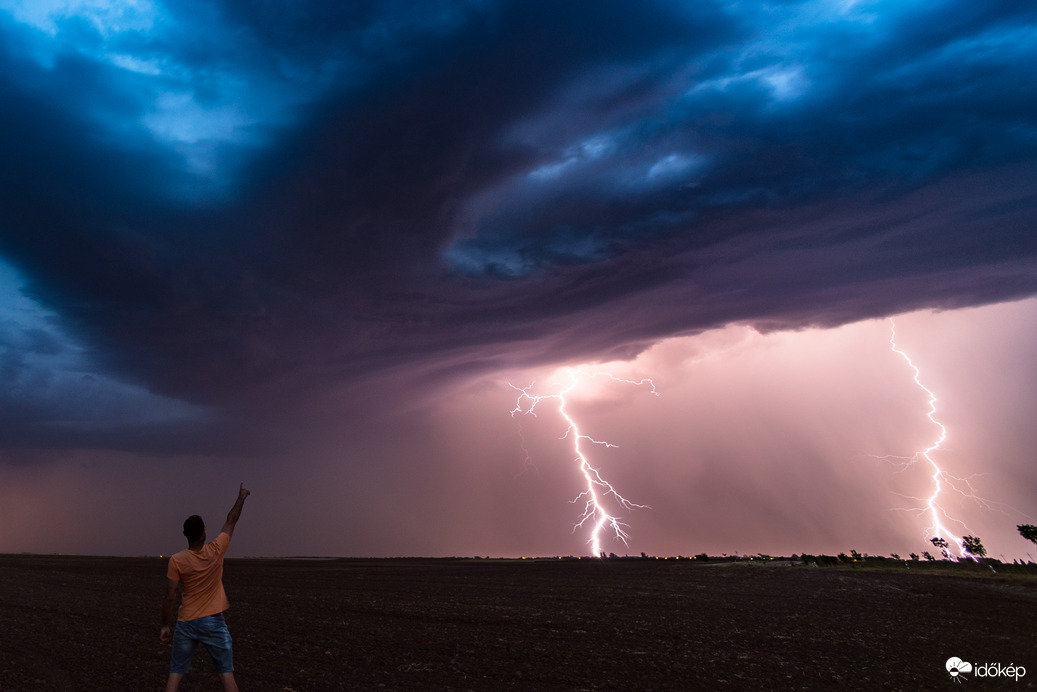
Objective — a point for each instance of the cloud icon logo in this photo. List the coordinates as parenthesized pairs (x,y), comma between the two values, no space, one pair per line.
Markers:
(956,666)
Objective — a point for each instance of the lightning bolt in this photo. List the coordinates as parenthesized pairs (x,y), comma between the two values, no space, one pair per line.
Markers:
(598,490)
(939,479)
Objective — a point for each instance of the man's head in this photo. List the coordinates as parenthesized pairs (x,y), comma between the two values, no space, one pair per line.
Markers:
(194,528)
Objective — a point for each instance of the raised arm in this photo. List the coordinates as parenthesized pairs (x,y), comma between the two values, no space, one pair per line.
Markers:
(235,511)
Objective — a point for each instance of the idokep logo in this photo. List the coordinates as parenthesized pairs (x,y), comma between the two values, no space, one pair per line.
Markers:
(958,669)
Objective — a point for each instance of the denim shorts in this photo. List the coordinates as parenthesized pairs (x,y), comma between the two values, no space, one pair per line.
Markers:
(211,631)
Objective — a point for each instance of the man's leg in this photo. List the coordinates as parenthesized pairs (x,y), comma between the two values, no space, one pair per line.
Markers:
(218,643)
(229,683)
(181,654)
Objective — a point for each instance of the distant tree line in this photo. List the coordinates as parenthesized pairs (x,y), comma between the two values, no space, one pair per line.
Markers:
(971,546)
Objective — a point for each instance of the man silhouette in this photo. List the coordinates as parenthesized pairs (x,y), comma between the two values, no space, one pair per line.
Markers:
(198,574)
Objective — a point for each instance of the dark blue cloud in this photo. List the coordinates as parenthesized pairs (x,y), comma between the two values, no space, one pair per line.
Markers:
(244,204)
(805,108)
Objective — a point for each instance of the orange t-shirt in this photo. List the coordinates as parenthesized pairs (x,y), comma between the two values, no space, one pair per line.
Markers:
(201,574)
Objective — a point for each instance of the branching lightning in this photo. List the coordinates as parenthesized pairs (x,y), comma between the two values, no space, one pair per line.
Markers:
(595,514)
(940,480)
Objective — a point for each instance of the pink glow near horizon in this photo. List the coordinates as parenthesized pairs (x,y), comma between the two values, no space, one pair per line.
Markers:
(757,443)
(834,398)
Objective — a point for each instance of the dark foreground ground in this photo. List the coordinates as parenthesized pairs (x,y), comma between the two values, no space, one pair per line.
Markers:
(90,623)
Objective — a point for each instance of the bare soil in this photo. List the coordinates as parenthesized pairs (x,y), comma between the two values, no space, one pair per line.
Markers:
(91,623)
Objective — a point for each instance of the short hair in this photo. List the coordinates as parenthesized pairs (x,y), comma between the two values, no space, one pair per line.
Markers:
(194,527)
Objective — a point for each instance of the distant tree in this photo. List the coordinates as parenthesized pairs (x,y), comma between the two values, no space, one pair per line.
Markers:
(914,557)
(941,544)
(855,555)
(843,557)
(926,554)
(1028,531)
(973,546)
(894,556)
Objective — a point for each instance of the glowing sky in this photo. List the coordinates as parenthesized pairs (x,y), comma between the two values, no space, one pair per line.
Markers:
(307,245)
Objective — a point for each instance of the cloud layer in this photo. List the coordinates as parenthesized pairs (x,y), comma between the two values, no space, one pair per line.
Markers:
(227,227)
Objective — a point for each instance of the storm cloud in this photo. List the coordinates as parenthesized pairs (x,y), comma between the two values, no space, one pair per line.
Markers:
(228,226)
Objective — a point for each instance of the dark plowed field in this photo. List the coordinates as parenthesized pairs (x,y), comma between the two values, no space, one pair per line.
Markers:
(91,623)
